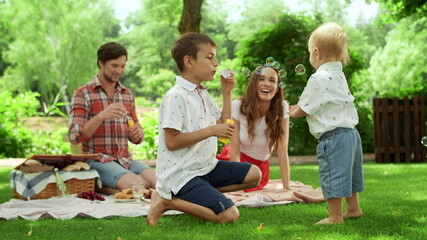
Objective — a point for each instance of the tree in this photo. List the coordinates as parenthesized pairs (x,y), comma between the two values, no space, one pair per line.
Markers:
(254,18)
(191,16)
(398,9)
(330,10)
(4,40)
(399,68)
(153,31)
(54,44)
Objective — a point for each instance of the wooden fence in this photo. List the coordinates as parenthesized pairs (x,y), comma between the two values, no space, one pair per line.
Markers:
(399,126)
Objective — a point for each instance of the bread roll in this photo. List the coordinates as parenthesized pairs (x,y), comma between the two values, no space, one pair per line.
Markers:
(122,195)
(83,165)
(72,167)
(127,191)
(32,163)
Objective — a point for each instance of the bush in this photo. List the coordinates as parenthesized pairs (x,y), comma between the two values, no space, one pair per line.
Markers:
(148,148)
(15,139)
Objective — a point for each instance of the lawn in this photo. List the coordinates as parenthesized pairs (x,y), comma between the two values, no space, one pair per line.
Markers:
(394,203)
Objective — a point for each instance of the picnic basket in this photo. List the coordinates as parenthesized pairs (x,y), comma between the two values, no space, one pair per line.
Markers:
(74,185)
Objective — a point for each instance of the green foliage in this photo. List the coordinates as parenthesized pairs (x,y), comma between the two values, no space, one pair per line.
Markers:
(53,141)
(255,18)
(155,86)
(366,38)
(399,69)
(54,43)
(154,29)
(398,9)
(15,139)
(213,24)
(148,148)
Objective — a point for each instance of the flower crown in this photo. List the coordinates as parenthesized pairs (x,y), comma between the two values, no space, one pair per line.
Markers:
(270,62)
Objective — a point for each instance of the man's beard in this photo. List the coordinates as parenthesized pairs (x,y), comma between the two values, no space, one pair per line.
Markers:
(109,78)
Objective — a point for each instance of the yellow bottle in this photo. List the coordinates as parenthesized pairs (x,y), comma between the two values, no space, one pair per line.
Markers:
(224,140)
(130,122)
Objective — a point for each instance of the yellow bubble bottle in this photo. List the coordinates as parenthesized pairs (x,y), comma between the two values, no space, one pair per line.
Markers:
(130,122)
(224,140)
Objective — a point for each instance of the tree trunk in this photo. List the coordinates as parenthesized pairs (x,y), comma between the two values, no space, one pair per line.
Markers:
(191,16)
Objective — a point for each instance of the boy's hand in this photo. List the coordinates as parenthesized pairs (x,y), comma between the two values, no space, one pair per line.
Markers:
(224,130)
(227,84)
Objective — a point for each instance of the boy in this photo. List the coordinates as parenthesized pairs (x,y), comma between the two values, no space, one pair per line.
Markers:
(189,177)
(328,106)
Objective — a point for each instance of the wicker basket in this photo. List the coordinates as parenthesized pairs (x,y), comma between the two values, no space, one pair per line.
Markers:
(74,185)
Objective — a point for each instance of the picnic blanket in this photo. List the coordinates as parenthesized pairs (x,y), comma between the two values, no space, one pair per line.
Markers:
(274,194)
(63,208)
(67,208)
(29,184)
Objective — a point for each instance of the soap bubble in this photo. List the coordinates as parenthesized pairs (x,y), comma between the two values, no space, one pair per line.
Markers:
(299,69)
(291,124)
(424,141)
(282,73)
(276,65)
(282,85)
(259,70)
(269,61)
(246,72)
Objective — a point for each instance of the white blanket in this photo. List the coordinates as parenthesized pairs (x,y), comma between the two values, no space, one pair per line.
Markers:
(60,208)
(67,208)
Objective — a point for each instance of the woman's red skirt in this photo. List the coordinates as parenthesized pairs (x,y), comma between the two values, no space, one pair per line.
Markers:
(264,166)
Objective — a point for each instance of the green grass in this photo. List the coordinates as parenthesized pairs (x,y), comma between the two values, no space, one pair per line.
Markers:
(394,203)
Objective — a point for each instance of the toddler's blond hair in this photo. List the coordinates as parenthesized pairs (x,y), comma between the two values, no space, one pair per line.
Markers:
(331,40)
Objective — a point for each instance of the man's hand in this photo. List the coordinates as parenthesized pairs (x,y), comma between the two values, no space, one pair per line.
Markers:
(136,133)
(115,110)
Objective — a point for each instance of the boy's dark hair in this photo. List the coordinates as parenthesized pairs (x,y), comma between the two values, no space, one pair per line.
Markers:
(188,44)
(110,50)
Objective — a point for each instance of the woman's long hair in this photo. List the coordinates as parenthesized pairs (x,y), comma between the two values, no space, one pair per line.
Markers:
(274,116)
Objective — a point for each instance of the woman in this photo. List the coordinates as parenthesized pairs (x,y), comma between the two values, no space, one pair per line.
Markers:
(262,121)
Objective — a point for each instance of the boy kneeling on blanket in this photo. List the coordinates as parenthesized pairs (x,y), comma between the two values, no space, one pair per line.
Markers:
(189,177)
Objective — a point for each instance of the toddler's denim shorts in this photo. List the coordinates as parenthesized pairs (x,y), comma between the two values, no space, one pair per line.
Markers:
(340,158)
(111,172)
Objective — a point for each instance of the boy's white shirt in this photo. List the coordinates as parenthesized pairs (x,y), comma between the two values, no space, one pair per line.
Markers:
(182,109)
(258,148)
(328,101)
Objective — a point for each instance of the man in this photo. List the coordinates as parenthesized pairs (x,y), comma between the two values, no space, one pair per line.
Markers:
(101,117)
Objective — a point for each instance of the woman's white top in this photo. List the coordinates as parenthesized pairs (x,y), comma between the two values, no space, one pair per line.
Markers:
(258,148)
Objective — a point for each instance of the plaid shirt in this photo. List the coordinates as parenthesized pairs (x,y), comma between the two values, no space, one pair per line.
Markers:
(110,140)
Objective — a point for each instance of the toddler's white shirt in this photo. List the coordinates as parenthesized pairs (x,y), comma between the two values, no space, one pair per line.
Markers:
(328,101)
(183,109)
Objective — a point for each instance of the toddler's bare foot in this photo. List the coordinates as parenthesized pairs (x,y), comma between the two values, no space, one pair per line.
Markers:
(329,221)
(353,214)
(157,209)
